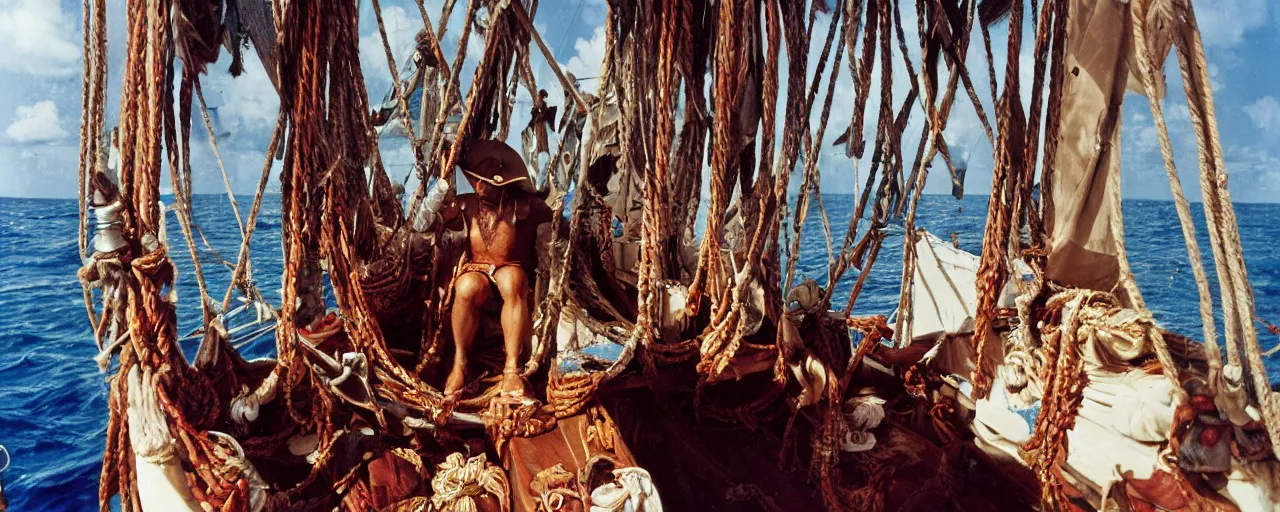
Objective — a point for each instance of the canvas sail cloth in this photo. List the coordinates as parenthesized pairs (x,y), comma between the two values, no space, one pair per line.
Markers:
(1085,229)
(1124,413)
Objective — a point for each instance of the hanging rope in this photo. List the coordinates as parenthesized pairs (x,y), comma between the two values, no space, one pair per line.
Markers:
(993,267)
(447,102)
(809,183)
(730,65)
(91,124)
(217,155)
(242,258)
(88,143)
(1224,234)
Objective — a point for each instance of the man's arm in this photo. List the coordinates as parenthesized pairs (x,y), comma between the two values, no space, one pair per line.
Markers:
(429,211)
(539,212)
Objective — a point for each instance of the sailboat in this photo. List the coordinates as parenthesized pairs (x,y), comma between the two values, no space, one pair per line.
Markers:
(672,367)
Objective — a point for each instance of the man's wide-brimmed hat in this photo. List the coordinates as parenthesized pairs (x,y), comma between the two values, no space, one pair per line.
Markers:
(495,163)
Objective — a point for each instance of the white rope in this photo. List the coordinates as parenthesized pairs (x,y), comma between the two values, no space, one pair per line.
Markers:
(632,490)
(245,406)
(148,428)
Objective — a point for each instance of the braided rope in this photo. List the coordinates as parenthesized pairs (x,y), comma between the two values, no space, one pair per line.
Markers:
(1053,111)
(724,337)
(863,79)
(88,149)
(730,71)
(1224,234)
(810,179)
(1006,177)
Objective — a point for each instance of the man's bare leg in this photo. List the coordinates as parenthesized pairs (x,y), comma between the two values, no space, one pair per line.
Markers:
(469,292)
(516,324)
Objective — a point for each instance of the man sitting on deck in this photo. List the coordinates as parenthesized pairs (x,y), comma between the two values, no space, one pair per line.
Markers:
(501,221)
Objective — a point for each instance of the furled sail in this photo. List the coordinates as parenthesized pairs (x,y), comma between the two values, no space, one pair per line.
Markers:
(1084,223)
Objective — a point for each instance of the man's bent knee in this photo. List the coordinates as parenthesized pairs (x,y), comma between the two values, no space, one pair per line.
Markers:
(512,283)
(471,288)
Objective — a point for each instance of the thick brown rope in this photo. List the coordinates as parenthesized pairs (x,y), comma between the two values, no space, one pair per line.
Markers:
(862,76)
(810,176)
(654,224)
(1053,112)
(89,146)
(92,116)
(729,72)
(993,266)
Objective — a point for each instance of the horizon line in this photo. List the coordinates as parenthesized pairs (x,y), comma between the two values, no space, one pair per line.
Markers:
(986,195)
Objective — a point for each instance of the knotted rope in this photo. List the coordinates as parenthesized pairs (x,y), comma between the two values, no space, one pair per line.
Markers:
(459,481)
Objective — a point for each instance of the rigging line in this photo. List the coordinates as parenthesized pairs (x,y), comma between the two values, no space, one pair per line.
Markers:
(217,155)
(569,26)
(242,258)
(395,76)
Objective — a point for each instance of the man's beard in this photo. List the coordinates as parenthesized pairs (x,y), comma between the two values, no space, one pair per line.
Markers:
(489,215)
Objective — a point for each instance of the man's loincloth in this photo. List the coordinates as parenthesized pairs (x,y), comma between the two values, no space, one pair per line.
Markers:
(488,269)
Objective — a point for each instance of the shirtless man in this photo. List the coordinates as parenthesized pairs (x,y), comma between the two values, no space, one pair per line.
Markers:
(501,220)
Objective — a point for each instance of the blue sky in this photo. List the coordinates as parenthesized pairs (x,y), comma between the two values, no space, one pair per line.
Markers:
(40,66)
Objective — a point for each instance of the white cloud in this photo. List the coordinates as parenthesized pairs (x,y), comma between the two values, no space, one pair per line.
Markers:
(1255,173)
(401,33)
(1223,23)
(35,38)
(37,123)
(246,103)
(590,55)
(1265,113)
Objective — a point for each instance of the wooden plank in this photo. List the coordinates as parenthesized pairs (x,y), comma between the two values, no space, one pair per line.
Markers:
(568,444)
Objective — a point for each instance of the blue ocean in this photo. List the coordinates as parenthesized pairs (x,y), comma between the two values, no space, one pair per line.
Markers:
(53,406)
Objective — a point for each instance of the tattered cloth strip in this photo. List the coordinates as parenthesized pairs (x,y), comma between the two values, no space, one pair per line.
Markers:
(460,482)
(198,33)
